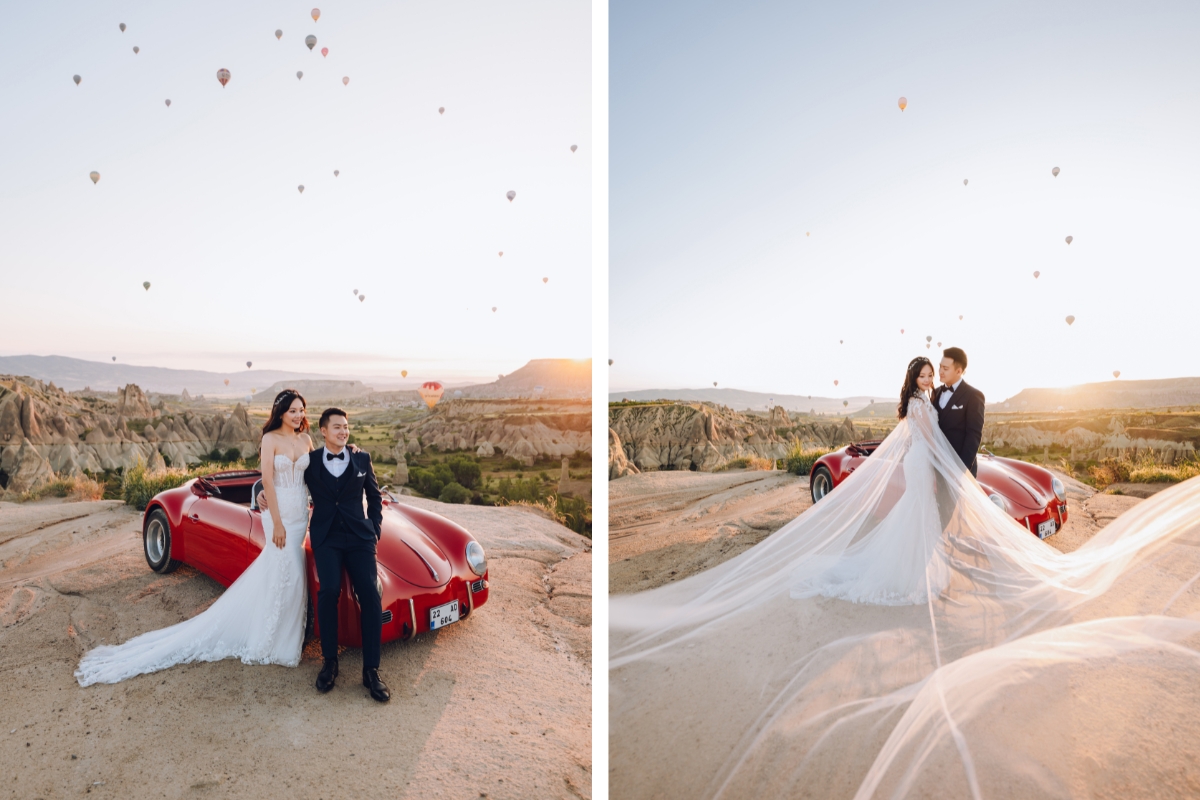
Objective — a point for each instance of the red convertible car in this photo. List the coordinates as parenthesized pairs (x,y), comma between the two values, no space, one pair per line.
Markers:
(1029,494)
(431,571)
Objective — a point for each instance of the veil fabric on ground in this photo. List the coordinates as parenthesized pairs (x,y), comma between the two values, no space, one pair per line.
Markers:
(905,637)
(258,619)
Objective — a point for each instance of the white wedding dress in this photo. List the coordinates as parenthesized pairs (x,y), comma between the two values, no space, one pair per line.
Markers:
(258,619)
(906,638)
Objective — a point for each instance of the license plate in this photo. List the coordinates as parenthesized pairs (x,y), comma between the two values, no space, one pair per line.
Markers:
(441,616)
(1046,529)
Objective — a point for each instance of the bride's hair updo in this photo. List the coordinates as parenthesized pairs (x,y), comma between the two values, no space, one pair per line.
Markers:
(910,388)
(283,401)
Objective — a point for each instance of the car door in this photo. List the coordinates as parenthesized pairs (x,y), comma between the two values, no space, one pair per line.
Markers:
(220,538)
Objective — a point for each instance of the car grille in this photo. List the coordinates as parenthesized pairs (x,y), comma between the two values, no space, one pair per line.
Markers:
(477,586)
(387,617)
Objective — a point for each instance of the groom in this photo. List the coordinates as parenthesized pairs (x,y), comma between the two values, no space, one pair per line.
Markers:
(960,408)
(342,536)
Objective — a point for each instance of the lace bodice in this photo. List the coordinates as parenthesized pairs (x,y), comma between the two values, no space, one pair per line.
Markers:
(289,474)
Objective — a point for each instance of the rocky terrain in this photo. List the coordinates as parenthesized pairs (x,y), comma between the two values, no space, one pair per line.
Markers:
(665,526)
(1165,437)
(743,400)
(498,706)
(705,437)
(541,378)
(1165,393)
(521,429)
(47,432)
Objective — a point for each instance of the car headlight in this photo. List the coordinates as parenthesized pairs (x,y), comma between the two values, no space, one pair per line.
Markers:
(1000,502)
(476,559)
(1060,491)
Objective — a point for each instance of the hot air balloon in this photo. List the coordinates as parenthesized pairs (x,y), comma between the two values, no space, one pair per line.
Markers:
(227,381)
(927,345)
(845,403)
(835,383)
(114,358)
(574,147)
(136,50)
(545,280)
(902,330)
(929,338)
(77,79)
(610,362)
(168,102)
(316,14)
(714,383)
(964,181)
(939,344)
(1069,238)
(278,34)
(493,309)
(807,233)
(248,365)
(1070,320)
(1116,373)
(122,27)
(362,297)
(441,109)
(356,292)
(223,76)
(511,194)
(960,317)
(1054,172)
(324,52)
(310,41)
(346,81)
(146,285)
(840,341)
(1036,273)
(403,373)
(299,74)
(336,173)
(300,188)
(95,176)
(903,102)
(431,392)
(501,254)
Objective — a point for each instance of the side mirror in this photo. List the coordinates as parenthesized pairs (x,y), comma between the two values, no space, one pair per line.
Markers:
(205,489)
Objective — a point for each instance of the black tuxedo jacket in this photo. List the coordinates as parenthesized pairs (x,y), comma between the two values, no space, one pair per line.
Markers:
(334,497)
(962,421)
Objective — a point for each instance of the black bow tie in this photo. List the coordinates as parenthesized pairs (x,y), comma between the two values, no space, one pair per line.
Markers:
(331,456)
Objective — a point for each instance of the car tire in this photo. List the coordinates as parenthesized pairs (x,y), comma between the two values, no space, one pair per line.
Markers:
(822,483)
(156,543)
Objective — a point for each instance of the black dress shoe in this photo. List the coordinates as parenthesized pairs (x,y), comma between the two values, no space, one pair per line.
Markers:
(379,689)
(327,675)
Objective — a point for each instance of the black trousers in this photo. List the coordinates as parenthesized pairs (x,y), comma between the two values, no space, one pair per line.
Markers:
(342,549)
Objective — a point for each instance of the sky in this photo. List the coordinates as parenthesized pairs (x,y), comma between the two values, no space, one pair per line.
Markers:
(776,220)
(200,198)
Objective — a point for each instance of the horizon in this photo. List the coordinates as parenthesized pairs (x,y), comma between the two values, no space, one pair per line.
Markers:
(200,198)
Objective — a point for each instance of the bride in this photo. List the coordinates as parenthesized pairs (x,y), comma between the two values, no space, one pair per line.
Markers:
(905,637)
(260,617)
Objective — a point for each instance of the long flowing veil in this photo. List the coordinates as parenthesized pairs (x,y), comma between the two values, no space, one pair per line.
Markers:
(905,637)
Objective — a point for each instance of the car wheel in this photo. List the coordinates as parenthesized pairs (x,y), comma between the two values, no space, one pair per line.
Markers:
(822,483)
(156,543)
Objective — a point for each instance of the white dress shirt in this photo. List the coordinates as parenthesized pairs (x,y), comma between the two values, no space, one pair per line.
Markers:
(336,466)
(944,400)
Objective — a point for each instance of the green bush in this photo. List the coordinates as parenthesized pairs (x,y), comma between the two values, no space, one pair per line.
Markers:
(214,455)
(466,470)
(432,480)
(455,493)
(800,461)
(138,486)
(575,514)
(232,454)
(521,489)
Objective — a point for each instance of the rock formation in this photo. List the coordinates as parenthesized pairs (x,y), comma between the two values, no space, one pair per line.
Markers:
(45,432)
(523,430)
(618,464)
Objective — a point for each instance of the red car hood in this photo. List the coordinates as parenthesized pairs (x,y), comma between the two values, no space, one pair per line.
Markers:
(410,554)
(997,476)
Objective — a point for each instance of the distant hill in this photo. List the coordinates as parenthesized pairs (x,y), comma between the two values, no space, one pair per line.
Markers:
(75,373)
(319,390)
(556,377)
(1162,393)
(741,400)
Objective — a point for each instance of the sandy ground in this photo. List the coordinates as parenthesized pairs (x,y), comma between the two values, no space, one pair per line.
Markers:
(665,526)
(498,707)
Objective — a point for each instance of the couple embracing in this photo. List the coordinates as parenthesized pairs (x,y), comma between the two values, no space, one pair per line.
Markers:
(260,617)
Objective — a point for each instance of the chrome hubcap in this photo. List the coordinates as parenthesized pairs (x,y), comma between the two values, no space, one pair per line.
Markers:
(156,541)
(820,487)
